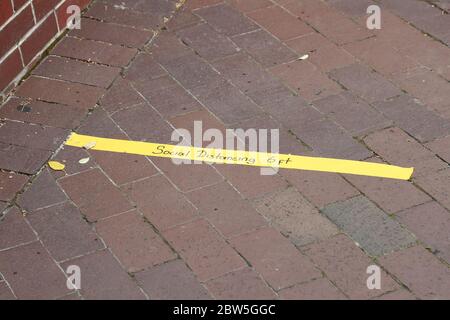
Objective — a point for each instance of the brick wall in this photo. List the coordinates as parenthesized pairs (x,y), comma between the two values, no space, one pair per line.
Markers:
(27,28)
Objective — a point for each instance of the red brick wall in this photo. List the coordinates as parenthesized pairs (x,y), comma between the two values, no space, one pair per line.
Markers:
(27,28)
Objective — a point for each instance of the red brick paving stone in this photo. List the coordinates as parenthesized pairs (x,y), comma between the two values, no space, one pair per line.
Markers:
(21,265)
(437,185)
(144,68)
(441,147)
(365,83)
(112,33)
(226,19)
(120,96)
(43,192)
(345,265)
(352,8)
(227,102)
(431,89)
(171,281)
(167,47)
(21,159)
(191,71)
(39,112)
(430,53)
(413,10)
(63,231)
(279,101)
(287,143)
(188,176)
(14,230)
(153,7)
(327,139)
(114,14)
(160,202)
(98,123)
(94,194)
(322,52)
(397,148)
(32,136)
(104,279)
(94,51)
(420,271)
(352,113)
(74,94)
(306,80)
(133,241)
(182,19)
(280,23)
(207,42)
(202,121)
(245,73)
(264,48)
(77,71)
(152,86)
(244,284)
(224,208)
(399,33)
(203,249)
(249,181)
(10,184)
(275,258)
(328,21)
(142,123)
(401,294)
(289,212)
(413,117)
(319,289)
(381,56)
(390,194)
(5,292)
(250,5)
(320,188)
(291,110)
(195,4)
(430,223)
(169,100)
(124,168)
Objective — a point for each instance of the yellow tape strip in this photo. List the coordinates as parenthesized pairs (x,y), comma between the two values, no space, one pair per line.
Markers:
(249,158)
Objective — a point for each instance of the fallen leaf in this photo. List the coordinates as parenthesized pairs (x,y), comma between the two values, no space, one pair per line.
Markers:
(304,57)
(55,165)
(84,160)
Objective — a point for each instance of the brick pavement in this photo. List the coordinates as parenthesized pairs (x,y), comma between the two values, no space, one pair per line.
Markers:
(143,228)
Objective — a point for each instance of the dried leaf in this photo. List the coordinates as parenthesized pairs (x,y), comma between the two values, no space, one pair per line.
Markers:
(55,165)
(84,160)
(304,57)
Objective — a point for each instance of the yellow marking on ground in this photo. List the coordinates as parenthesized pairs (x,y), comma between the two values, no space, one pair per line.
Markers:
(249,158)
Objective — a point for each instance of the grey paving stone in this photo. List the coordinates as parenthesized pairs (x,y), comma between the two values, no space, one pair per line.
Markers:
(371,228)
